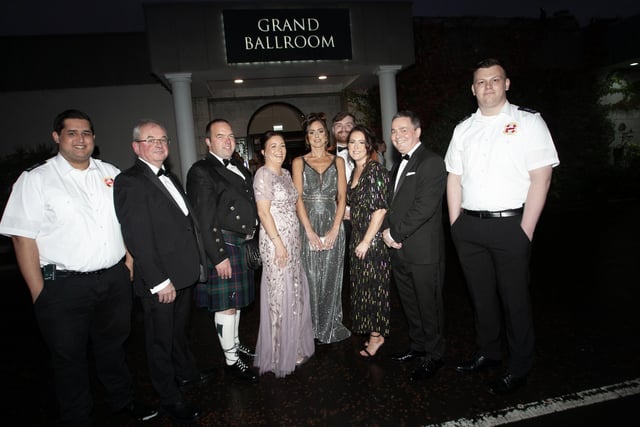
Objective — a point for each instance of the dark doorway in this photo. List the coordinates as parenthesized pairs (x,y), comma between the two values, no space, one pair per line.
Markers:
(282,117)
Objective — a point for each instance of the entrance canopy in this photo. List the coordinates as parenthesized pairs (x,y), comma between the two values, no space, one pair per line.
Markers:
(278,49)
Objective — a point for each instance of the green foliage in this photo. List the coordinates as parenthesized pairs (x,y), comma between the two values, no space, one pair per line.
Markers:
(366,105)
(622,92)
(629,92)
(625,153)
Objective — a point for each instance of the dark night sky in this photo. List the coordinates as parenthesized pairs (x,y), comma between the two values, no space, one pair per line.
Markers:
(38,17)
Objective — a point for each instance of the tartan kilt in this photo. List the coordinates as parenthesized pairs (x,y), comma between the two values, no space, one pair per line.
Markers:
(238,291)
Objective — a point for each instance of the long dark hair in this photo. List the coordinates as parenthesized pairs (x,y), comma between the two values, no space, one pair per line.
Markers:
(370,141)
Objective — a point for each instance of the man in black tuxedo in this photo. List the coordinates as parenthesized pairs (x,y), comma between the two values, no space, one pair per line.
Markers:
(413,229)
(161,234)
(221,190)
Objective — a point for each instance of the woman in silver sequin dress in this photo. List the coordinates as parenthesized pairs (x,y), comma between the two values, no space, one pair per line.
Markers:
(285,338)
(320,179)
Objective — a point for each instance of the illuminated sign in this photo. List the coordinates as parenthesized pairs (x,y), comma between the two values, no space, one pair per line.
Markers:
(287,35)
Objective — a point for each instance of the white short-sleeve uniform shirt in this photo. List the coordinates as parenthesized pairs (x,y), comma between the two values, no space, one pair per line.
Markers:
(69,212)
(494,154)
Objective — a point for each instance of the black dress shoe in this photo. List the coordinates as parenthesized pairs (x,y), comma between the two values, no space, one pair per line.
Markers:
(202,378)
(426,370)
(243,349)
(478,364)
(405,356)
(139,411)
(181,411)
(241,371)
(507,384)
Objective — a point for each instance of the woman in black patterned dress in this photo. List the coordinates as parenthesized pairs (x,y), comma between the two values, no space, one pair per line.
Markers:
(369,256)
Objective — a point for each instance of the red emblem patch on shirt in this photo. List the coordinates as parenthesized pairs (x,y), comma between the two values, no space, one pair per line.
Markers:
(108,181)
(510,128)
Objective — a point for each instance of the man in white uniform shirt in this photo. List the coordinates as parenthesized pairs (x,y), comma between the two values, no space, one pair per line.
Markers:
(68,245)
(499,162)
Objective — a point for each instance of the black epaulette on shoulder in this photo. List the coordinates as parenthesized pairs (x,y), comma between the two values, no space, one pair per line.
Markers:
(30,168)
(464,118)
(528,110)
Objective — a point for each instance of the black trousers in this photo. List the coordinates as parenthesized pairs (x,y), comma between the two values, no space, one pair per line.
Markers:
(420,291)
(494,254)
(168,353)
(71,312)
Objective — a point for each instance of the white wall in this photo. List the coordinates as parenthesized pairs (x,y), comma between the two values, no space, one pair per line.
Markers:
(27,117)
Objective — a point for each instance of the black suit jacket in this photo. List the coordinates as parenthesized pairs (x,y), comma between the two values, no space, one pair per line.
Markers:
(161,239)
(221,200)
(414,217)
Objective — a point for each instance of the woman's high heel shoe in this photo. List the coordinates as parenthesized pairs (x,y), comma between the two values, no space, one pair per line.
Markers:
(371,350)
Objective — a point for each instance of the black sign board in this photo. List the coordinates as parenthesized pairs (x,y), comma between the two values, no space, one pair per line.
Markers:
(287,35)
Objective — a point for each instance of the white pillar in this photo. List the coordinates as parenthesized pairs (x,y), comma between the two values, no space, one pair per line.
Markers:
(388,105)
(183,110)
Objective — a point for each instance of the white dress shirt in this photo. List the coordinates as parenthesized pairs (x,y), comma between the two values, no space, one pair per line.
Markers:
(233,168)
(179,198)
(403,164)
(170,186)
(348,163)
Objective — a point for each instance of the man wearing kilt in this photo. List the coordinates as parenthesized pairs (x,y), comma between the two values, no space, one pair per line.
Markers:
(221,191)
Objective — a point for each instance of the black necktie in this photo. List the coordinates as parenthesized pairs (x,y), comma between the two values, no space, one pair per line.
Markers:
(226,162)
(341,148)
(161,172)
(406,157)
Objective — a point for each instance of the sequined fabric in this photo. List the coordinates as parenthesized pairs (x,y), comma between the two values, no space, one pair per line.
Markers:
(370,278)
(323,268)
(285,334)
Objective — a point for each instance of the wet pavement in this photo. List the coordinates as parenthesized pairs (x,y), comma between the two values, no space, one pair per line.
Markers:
(585,292)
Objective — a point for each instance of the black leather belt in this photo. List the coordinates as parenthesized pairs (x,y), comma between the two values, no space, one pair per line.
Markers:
(48,275)
(494,214)
(63,273)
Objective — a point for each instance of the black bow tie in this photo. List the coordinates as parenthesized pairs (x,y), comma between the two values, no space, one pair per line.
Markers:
(162,172)
(406,157)
(341,148)
(226,162)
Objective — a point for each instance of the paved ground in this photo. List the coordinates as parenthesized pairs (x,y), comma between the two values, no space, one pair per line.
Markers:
(585,293)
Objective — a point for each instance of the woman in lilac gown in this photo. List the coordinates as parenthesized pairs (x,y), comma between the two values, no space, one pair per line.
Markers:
(285,337)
